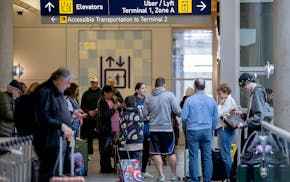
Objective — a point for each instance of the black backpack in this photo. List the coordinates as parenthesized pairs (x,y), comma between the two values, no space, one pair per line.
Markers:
(24,115)
(264,146)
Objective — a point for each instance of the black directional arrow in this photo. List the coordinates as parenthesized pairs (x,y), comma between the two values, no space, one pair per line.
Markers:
(110,60)
(120,63)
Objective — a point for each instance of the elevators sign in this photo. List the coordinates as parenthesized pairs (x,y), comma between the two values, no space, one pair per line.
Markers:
(117,69)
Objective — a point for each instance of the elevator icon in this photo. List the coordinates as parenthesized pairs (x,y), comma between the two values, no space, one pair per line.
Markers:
(184,6)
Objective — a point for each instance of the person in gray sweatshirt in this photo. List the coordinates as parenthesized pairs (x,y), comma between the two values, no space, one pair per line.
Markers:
(158,107)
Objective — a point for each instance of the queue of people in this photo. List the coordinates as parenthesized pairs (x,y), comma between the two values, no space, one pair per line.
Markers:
(57,113)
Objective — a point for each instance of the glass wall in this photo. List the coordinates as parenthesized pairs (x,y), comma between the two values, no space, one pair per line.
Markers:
(192,58)
(256,23)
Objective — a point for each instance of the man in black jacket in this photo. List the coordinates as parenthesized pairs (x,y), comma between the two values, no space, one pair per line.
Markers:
(89,105)
(54,120)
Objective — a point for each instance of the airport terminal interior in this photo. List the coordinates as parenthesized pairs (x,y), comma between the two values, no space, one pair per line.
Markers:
(218,42)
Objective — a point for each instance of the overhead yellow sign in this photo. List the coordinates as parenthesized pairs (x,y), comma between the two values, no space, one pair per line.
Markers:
(66,7)
(184,6)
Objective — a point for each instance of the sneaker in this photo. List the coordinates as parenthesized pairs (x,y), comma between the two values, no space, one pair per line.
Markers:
(175,178)
(147,175)
(161,179)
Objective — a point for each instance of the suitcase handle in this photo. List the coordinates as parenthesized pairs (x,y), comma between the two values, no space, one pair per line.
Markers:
(60,169)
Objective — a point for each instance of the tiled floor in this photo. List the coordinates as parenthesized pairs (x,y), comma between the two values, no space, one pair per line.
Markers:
(95,175)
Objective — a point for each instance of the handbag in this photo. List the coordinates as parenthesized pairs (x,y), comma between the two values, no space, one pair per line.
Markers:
(232,121)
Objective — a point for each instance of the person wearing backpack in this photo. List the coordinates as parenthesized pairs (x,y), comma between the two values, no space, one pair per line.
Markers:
(24,112)
(132,124)
(8,99)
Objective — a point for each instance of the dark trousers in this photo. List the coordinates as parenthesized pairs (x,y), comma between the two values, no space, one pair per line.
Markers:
(90,125)
(105,161)
(145,154)
(49,163)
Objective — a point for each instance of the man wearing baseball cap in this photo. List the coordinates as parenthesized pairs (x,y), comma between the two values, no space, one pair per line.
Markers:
(256,110)
(7,103)
(89,105)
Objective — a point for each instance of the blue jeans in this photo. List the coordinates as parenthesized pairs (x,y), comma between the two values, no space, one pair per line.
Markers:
(226,137)
(200,139)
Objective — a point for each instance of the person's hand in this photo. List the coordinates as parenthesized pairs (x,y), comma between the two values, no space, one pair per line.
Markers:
(240,125)
(92,113)
(76,114)
(178,119)
(116,105)
(67,131)
(221,101)
(238,112)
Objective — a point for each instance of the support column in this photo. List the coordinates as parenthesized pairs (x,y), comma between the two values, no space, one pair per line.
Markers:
(6,42)
(281,62)
(230,45)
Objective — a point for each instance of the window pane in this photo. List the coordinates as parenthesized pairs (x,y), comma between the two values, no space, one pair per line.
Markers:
(192,58)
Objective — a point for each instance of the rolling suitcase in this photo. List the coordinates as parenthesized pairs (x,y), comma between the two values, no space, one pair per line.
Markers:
(219,169)
(62,178)
(81,146)
(129,169)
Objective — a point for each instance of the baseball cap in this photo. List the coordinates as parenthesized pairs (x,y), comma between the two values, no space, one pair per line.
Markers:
(93,79)
(245,78)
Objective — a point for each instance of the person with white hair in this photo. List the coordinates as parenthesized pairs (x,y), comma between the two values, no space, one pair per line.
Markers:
(53,122)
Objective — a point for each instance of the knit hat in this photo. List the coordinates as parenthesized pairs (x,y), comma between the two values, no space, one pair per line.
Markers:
(245,78)
(16,84)
(189,91)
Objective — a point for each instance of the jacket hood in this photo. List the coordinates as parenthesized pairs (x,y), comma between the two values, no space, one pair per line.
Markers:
(260,88)
(158,91)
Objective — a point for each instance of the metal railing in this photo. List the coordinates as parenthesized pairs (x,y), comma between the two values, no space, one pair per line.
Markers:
(276,130)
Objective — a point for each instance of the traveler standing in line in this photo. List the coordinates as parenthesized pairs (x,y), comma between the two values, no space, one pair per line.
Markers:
(54,120)
(226,104)
(71,95)
(117,97)
(200,114)
(140,93)
(188,92)
(7,104)
(257,109)
(159,106)
(107,114)
(89,105)
(132,125)
(24,111)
